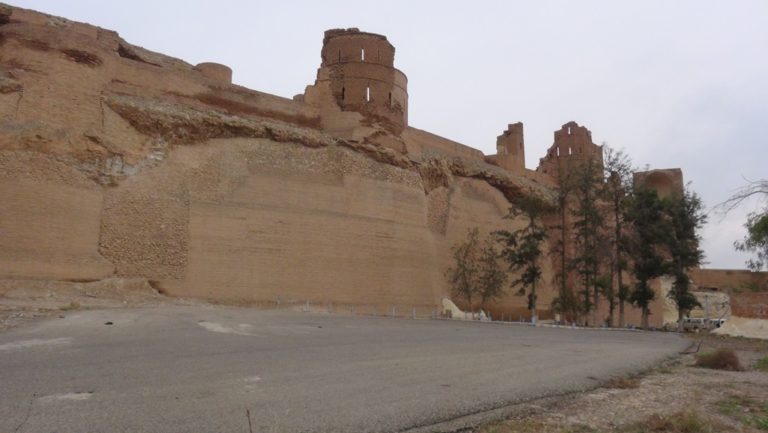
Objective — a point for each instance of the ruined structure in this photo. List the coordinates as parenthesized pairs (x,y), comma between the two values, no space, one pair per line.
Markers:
(118,162)
(510,149)
(666,182)
(573,146)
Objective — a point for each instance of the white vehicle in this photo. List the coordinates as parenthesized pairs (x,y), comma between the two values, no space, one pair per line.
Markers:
(695,324)
(716,323)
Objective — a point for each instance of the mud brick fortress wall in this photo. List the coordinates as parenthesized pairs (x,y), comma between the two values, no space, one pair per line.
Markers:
(116,161)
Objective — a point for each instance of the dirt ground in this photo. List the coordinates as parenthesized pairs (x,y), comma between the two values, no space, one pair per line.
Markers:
(23,301)
(676,397)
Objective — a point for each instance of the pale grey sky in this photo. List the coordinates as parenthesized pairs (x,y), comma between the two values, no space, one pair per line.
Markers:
(675,83)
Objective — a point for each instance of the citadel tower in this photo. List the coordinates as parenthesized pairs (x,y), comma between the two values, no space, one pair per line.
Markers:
(359,67)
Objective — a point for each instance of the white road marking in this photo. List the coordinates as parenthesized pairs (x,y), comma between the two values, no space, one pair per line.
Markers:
(26,344)
(72,396)
(218,327)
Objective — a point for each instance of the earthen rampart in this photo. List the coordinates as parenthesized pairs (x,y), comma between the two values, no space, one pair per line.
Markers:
(117,161)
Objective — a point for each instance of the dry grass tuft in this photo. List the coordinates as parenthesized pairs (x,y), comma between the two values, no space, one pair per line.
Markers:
(681,422)
(720,359)
(71,306)
(623,383)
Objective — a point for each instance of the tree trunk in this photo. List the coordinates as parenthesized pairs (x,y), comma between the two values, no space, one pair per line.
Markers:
(563,277)
(622,319)
(611,308)
(595,300)
(680,320)
(644,321)
(534,317)
(617,216)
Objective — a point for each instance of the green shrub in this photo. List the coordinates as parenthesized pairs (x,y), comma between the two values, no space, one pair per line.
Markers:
(762,365)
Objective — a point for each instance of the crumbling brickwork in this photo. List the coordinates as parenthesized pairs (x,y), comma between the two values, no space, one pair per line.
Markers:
(360,69)
(666,182)
(572,147)
(510,148)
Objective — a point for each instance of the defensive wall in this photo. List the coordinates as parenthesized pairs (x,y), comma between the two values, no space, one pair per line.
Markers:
(118,162)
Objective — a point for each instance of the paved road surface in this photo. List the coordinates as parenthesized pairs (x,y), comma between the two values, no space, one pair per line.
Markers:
(201,369)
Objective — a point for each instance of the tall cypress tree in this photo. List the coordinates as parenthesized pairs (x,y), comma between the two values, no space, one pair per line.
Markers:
(650,231)
(686,218)
(522,251)
(588,221)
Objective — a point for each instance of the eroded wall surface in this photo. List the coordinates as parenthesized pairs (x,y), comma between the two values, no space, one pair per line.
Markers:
(119,162)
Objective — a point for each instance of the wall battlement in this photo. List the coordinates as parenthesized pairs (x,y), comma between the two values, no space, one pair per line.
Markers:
(510,148)
(572,147)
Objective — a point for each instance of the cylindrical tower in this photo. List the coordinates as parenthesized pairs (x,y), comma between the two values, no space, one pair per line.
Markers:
(360,69)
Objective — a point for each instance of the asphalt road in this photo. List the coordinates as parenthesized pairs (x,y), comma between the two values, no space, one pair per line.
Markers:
(204,369)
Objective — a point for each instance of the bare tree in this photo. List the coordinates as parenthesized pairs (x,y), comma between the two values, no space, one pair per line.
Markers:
(756,240)
(753,189)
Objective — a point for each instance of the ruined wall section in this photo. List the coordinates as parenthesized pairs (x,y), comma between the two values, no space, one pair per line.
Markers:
(358,68)
(67,72)
(572,147)
(666,182)
(510,149)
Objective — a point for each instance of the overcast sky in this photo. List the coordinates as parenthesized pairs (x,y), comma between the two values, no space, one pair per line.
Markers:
(674,83)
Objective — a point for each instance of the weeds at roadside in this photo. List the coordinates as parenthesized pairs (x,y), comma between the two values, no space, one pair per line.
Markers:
(71,306)
(681,422)
(623,382)
(762,365)
(524,426)
(720,359)
(746,410)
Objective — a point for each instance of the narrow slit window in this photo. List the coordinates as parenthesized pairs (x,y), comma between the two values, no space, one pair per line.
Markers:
(362,54)
(368,94)
(569,130)
(390,99)
(343,93)
(339,55)
(558,151)
(569,150)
